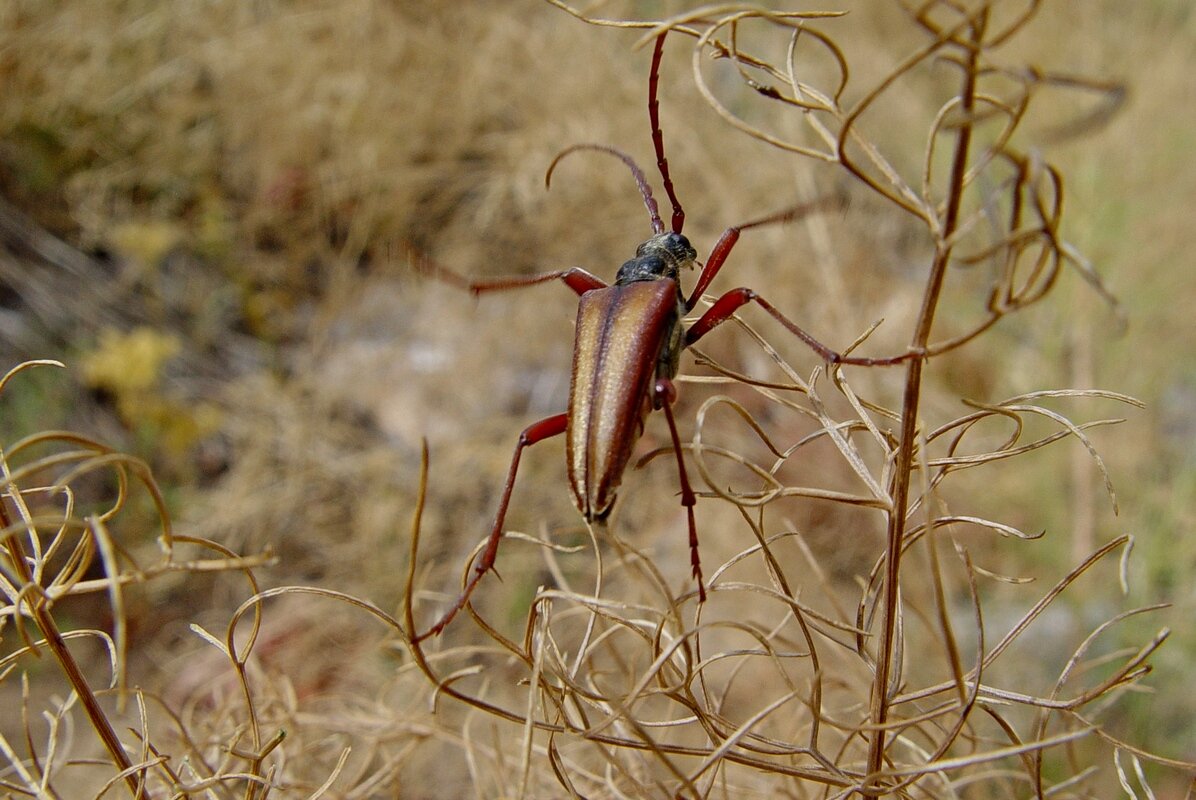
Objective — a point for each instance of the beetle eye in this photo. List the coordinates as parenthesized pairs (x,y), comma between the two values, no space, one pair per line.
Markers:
(680,247)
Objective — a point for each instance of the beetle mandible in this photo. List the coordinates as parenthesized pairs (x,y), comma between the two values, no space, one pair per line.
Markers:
(627,349)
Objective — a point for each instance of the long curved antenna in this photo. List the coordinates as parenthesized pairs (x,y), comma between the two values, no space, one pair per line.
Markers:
(658,136)
(636,172)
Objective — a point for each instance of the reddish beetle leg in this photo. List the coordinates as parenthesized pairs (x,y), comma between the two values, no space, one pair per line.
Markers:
(580,282)
(665,394)
(730,302)
(537,432)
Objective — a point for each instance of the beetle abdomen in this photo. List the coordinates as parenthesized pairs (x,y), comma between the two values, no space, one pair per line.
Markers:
(621,332)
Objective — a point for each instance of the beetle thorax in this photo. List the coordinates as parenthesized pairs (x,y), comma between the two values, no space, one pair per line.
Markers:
(662,256)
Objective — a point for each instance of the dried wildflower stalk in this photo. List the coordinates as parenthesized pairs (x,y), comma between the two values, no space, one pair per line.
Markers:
(775,683)
(53,541)
(785,682)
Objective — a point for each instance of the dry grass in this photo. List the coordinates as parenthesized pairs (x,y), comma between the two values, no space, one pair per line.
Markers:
(247,178)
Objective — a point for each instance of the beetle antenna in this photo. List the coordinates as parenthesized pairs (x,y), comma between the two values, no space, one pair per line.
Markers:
(658,136)
(636,172)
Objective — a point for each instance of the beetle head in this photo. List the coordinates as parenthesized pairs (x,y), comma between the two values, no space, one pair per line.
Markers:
(662,256)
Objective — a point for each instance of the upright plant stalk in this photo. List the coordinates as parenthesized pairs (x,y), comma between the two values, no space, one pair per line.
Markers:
(879,710)
(70,667)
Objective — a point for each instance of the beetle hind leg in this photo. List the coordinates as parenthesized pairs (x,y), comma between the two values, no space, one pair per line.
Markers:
(664,394)
(537,432)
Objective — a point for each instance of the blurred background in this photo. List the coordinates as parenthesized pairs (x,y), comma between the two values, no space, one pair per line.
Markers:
(208,211)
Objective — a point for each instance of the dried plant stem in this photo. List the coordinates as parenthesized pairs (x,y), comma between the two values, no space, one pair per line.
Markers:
(910,405)
(70,667)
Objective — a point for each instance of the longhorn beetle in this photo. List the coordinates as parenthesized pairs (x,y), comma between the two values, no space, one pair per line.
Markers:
(628,344)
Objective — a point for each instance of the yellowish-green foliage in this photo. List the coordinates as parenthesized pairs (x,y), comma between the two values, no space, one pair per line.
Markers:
(129,367)
(129,364)
(146,243)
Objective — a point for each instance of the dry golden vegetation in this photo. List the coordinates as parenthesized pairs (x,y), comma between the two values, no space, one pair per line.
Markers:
(965,575)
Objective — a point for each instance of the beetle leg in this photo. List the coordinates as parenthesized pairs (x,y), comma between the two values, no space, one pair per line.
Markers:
(732,301)
(664,395)
(537,432)
(722,248)
(575,278)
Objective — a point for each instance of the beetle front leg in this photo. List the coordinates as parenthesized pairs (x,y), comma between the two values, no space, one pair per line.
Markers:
(722,248)
(732,301)
(664,394)
(538,432)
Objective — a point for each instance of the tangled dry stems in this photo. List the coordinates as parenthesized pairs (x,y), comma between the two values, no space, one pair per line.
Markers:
(659,694)
(784,681)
